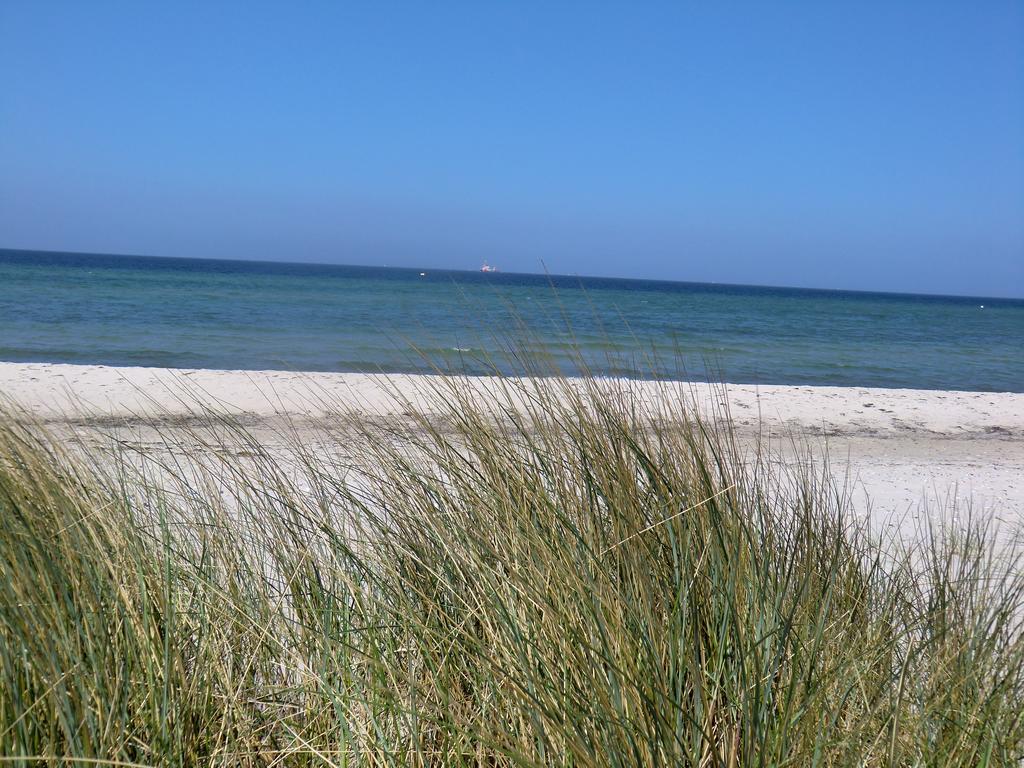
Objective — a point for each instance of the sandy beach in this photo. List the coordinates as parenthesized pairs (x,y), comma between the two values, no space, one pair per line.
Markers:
(899,447)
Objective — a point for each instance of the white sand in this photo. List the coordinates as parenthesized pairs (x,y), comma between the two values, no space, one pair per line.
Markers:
(903,446)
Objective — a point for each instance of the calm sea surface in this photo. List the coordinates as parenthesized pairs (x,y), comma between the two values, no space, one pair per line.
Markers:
(190,313)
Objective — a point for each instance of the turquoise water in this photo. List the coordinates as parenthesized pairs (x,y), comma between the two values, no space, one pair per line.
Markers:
(122,311)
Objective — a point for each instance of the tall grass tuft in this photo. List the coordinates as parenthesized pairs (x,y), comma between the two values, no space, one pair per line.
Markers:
(559,574)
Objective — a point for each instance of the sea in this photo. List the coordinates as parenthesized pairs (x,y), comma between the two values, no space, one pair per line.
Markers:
(197,313)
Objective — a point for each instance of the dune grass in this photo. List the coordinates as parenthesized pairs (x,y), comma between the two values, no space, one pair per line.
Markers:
(558,576)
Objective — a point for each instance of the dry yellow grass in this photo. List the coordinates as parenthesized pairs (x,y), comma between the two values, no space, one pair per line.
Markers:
(579,582)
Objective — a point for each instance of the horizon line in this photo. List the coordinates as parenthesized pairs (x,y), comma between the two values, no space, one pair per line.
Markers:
(528,274)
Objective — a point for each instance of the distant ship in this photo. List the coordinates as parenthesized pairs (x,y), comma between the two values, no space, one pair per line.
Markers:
(488,268)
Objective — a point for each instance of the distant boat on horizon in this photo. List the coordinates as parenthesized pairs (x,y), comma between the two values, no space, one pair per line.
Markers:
(488,268)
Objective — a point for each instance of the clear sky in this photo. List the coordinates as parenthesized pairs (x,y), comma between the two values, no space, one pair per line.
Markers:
(848,145)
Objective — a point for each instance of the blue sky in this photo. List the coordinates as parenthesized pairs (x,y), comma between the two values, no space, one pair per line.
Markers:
(849,145)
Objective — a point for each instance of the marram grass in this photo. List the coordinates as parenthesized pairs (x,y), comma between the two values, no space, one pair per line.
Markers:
(560,576)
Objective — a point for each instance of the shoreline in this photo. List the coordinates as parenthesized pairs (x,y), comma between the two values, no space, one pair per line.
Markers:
(59,389)
(899,446)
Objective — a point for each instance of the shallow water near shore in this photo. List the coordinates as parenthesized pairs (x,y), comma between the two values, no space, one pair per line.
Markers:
(191,313)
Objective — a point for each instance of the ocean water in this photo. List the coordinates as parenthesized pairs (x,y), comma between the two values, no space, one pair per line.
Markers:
(191,313)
